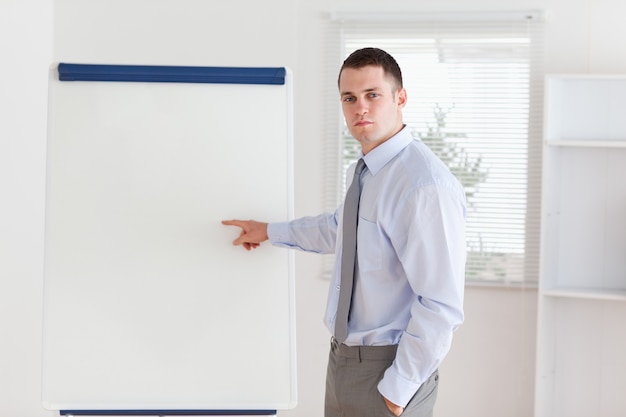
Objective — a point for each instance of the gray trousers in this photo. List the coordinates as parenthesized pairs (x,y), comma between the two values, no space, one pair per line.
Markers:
(351,383)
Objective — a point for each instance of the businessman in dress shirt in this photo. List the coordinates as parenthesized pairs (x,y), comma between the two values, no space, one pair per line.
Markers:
(409,276)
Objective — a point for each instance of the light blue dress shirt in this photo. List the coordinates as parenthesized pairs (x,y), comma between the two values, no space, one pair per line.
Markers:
(411,252)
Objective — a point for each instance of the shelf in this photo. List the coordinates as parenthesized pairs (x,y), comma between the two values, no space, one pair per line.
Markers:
(587,143)
(587,293)
(582,286)
(595,78)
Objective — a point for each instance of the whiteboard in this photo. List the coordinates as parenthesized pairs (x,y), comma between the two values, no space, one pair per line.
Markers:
(147,304)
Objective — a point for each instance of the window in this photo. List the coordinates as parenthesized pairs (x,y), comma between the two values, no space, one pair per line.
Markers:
(475,92)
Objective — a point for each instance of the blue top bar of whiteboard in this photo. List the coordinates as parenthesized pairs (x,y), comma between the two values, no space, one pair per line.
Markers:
(171,74)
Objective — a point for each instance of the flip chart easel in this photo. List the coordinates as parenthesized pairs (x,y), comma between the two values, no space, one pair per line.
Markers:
(148,308)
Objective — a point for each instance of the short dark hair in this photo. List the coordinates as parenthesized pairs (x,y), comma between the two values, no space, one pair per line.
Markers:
(375,57)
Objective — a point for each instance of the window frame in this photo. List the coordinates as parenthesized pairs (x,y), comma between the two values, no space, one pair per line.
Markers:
(337,146)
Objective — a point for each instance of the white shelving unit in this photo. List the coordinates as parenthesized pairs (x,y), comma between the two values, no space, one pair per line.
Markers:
(581,356)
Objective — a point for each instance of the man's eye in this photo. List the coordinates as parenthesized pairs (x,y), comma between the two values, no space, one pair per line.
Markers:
(348,99)
(373,95)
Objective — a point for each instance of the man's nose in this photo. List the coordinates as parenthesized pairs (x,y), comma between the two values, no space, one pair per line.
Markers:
(362,108)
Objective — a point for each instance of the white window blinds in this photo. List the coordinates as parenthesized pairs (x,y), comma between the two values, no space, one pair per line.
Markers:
(475,88)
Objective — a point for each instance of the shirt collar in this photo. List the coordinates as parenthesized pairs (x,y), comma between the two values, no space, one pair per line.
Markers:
(378,157)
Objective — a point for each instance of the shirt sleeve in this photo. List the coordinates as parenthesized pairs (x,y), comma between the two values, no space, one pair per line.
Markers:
(316,234)
(430,245)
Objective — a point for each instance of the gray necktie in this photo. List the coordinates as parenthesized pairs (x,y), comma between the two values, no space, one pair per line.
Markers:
(348,257)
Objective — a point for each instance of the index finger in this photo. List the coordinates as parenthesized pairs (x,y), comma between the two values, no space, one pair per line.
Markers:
(239,223)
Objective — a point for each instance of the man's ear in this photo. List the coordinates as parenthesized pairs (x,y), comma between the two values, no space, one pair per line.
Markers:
(402,97)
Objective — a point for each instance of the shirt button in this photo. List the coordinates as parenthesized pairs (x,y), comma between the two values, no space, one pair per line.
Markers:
(337,287)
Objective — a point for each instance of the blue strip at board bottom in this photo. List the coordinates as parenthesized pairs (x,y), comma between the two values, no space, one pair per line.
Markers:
(168,412)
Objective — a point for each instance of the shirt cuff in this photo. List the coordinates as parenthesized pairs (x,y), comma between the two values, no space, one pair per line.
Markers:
(278,233)
(397,389)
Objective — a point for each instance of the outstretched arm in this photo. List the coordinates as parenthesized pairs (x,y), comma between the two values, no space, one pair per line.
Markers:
(253,233)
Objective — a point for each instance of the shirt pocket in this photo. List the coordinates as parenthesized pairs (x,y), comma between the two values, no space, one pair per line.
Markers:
(369,248)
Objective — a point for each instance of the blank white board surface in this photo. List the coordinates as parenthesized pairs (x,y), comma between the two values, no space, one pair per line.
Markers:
(147,304)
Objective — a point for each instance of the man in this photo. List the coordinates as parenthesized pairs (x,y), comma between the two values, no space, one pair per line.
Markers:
(408,286)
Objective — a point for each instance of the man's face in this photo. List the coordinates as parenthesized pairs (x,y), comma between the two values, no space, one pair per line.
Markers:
(372,105)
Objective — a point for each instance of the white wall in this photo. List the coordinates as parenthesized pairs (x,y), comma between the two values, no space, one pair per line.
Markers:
(490,369)
(26,52)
